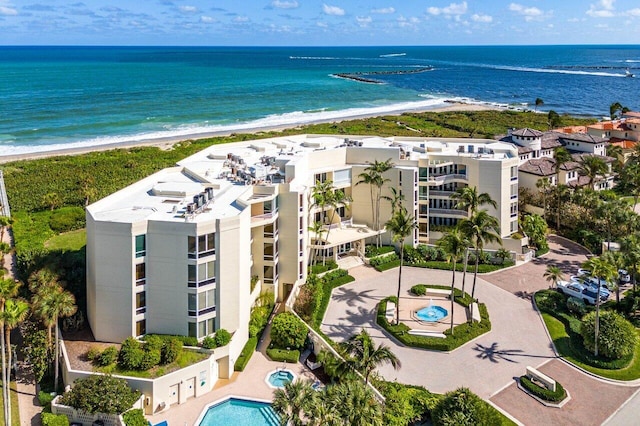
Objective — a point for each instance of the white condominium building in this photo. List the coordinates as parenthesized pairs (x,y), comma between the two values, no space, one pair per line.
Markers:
(188,249)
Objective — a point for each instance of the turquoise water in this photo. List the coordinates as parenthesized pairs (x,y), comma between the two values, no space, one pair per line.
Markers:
(279,379)
(432,313)
(240,412)
(56,97)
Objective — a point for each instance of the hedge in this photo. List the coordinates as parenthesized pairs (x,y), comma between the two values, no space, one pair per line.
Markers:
(388,265)
(462,333)
(245,355)
(380,260)
(543,393)
(50,419)
(283,355)
(373,251)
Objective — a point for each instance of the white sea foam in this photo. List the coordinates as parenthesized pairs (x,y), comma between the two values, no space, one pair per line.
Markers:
(556,71)
(271,121)
(391,55)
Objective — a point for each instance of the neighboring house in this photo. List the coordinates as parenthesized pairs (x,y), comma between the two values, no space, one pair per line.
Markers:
(536,151)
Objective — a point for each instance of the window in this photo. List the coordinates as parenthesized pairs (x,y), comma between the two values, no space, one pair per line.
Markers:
(320,177)
(201,246)
(141,274)
(201,303)
(141,302)
(141,327)
(201,274)
(141,245)
(192,330)
(341,177)
(271,230)
(204,328)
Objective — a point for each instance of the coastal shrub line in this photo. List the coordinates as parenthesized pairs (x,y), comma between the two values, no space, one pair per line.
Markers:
(543,393)
(462,333)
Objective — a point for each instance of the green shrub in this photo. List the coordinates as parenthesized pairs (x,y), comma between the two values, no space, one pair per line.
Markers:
(45,398)
(288,331)
(50,419)
(100,394)
(576,306)
(153,343)
(387,265)
(550,301)
(170,350)
(93,353)
(186,340)
(320,268)
(381,260)
(373,251)
(246,354)
(209,343)
(67,219)
(405,404)
(150,359)
(135,417)
(464,408)
(617,337)
(108,356)
(283,355)
(543,393)
(419,289)
(131,354)
(222,338)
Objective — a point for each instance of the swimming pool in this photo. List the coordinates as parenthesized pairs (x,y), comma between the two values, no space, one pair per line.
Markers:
(240,412)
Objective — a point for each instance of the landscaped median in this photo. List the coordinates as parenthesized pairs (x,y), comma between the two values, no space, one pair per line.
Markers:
(564,328)
(462,333)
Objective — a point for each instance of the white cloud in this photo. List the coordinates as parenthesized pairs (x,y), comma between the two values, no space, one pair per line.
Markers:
(188,9)
(322,24)
(602,9)
(634,12)
(481,18)
(332,10)
(453,9)
(384,10)
(573,20)
(363,21)
(7,9)
(529,13)
(241,19)
(207,19)
(408,22)
(279,4)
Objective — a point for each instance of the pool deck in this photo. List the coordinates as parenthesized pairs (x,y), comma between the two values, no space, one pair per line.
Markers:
(249,384)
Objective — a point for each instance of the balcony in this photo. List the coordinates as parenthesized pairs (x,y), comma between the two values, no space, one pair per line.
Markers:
(442,179)
(263,219)
(193,284)
(202,311)
(449,212)
(435,193)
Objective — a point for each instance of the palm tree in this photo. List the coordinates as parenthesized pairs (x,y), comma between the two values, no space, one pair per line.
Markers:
(601,269)
(630,246)
(480,229)
(544,185)
(396,199)
(42,282)
(336,198)
(8,289)
(53,304)
(355,404)
(553,119)
(365,356)
(322,195)
(616,152)
(292,402)
(318,229)
(553,274)
(539,102)
(401,226)
(373,175)
(15,312)
(454,243)
(561,156)
(592,167)
(614,108)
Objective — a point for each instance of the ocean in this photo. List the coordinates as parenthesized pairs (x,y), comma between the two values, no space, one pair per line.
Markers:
(65,97)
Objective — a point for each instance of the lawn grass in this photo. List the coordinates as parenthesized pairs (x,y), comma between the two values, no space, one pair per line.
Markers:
(15,412)
(446,266)
(73,240)
(567,350)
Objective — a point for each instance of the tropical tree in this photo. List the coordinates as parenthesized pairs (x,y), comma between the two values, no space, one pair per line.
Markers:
(318,229)
(544,185)
(616,152)
(354,404)
(601,269)
(52,200)
(8,289)
(292,402)
(553,274)
(41,283)
(51,305)
(322,195)
(536,229)
(630,247)
(539,102)
(396,199)
(616,110)
(480,229)
(365,356)
(553,119)
(15,312)
(612,213)
(454,243)
(561,157)
(592,167)
(336,199)
(617,259)
(373,175)
(401,225)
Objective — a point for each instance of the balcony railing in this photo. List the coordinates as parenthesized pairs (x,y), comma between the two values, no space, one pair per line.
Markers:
(264,216)
(449,212)
(202,311)
(436,193)
(193,284)
(439,180)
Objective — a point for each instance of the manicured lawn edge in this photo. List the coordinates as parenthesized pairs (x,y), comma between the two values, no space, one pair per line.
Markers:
(327,288)
(462,333)
(283,355)
(562,341)
(543,393)
(245,355)
(436,264)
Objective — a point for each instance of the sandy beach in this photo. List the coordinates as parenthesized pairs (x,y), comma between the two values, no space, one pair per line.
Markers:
(167,143)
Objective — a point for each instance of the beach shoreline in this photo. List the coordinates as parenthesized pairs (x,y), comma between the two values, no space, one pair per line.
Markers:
(168,142)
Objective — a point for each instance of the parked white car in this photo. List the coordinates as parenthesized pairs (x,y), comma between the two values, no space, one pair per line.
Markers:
(580,291)
(623,276)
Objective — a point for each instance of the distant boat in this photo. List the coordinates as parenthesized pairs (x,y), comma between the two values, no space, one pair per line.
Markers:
(627,73)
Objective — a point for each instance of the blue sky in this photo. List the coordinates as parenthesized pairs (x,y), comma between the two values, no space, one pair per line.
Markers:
(312,22)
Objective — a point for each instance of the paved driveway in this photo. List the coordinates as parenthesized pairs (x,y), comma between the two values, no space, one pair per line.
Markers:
(484,365)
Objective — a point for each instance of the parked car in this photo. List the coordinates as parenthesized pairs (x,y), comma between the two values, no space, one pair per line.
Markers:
(623,276)
(583,272)
(580,291)
(591,282)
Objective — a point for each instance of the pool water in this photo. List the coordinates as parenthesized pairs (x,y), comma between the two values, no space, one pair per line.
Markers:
(280,378)
(240,412)
(432,313)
